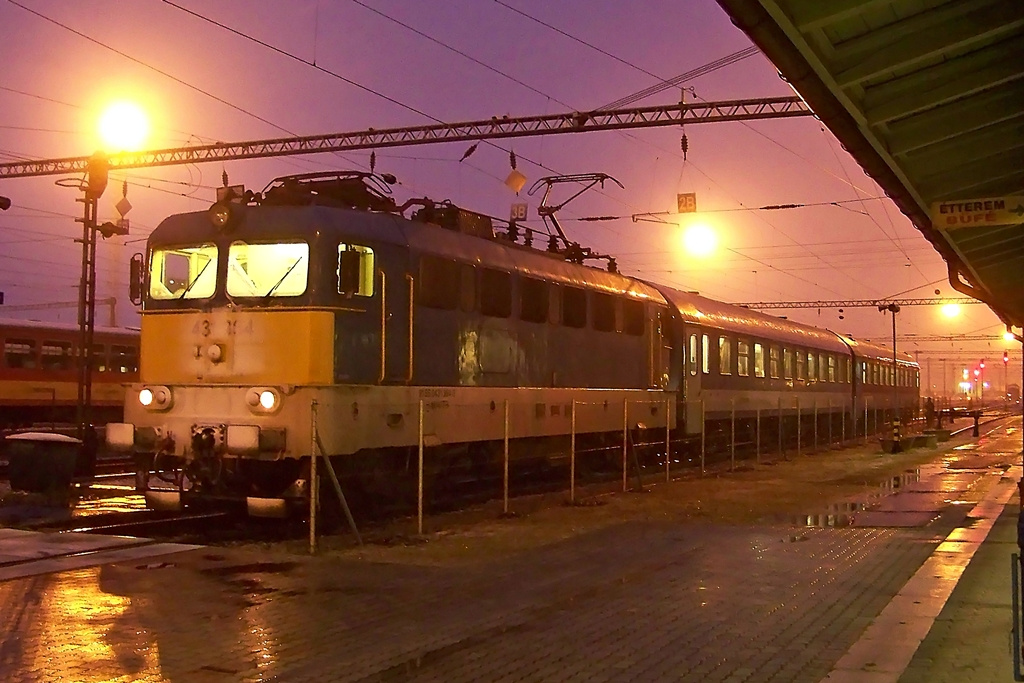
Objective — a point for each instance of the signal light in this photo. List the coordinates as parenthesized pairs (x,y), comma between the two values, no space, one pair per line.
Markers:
(1006,357)
(982,363)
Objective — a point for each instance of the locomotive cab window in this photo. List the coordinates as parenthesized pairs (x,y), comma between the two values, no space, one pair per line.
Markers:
(267,270)
(355,270)
(183,272)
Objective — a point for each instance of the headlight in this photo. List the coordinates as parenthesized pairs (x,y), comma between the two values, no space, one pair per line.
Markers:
(263,400)
(155,398)
(220,215)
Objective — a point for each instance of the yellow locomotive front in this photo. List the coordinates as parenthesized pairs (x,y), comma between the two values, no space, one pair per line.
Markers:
(234,343)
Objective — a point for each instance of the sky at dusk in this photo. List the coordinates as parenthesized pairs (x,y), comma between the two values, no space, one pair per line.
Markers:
(390,63)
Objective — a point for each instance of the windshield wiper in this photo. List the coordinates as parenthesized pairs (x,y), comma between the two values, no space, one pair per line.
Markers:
(286,274)
(196,279)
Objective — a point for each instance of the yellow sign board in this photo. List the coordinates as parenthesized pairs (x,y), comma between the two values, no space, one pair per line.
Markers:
(686,202)
(965,213)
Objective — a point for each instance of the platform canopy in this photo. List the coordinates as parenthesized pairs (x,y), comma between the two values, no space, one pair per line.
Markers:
(928,96)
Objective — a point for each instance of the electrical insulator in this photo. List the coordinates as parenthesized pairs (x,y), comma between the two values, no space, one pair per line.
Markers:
(224,177)
(684,145)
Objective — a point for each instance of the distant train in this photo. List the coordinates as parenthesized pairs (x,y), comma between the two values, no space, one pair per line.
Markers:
(39,375)
(320,314)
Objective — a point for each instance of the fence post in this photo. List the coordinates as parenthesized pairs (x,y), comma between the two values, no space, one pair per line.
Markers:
(625,438)
(504,482)
(702,436)
(799,428)
(781,423)
(815,423)
(312,478)
(732,434)
(830,420)
(865,420)
(757,440)
(668,441)
(419,473)
(572,453)
(842,427)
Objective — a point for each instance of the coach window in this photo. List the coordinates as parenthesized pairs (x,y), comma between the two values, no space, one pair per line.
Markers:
(183,272)
(693,354)
(742,359)
(56,355)
(787,363)
(831,368)
(467,287)
(355,270)
(604,311)
(495,293)
(438,283)
(124,358)
(758,360)
(533,300)
(705,354)
(812,371)
(633,317)
(267,269)
(849,370)
(20,353)
(574,307)
(773,362)
(99,358)
(801,364)
(724,356)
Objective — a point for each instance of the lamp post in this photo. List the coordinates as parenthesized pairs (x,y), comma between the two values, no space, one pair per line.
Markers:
(894,309)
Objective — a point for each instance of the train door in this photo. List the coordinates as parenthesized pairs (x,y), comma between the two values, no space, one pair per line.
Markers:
(692,396)
(660,351)
(371,324)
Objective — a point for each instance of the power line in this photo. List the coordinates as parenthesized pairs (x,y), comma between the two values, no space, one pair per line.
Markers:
(856,303)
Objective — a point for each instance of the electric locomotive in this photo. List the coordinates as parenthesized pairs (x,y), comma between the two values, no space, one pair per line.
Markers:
(321,316)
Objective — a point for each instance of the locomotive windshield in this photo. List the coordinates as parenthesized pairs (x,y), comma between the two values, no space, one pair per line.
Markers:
(183,272)
(267,270)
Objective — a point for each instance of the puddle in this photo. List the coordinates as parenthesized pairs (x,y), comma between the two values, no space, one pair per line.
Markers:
(840,515)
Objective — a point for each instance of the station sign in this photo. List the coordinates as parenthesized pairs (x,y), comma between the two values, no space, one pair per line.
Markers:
(518,212)
(983,212)
(686,202)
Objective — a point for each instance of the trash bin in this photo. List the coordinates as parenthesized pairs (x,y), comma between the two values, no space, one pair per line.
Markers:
(41,461)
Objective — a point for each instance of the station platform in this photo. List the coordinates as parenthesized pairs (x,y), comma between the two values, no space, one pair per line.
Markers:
(913,585)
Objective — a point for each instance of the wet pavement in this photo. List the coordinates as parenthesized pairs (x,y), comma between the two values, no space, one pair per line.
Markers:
(910,585)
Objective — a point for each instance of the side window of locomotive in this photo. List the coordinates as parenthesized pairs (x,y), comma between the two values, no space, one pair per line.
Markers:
(20,353)
(693,354)
(633,317)
(604,311)
(183,272)
(533,300)
(773,361)
(742,359)
(467,287)
(574,307)
(787,363)
(705,354)
(438,283)
(355,270)
(495,293)
(724,356)
(124,358)
(758,360)
(266,270)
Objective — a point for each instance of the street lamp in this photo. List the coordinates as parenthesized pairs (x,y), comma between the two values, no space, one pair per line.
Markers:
(894,309)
